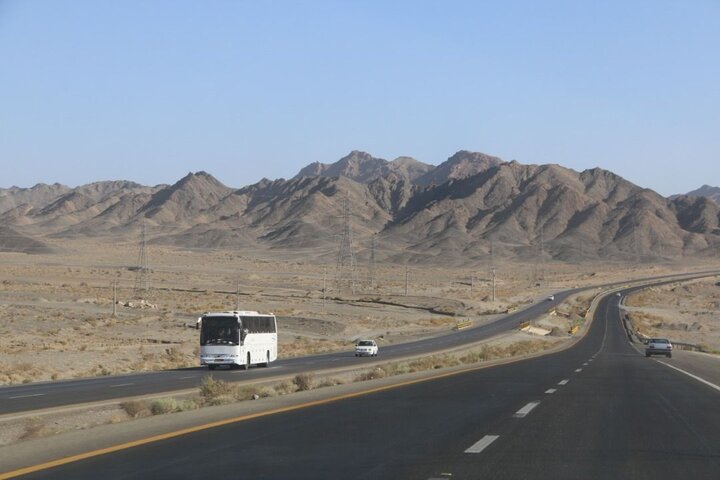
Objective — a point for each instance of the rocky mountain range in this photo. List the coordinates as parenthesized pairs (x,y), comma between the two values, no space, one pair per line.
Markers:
(466,209)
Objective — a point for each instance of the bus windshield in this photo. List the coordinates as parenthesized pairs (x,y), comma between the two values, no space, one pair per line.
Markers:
(220,331)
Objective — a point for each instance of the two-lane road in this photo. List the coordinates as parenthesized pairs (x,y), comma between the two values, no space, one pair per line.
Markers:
(597,410)
(23,398)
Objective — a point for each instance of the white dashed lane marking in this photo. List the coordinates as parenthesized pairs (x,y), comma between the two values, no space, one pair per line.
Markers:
(563,382)
(578,370)
(27,396)
(524,411)
(551,390)
(482,444)
(121,385)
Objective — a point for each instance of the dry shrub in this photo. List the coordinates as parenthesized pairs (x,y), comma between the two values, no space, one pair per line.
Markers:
(330,382)
(283,388)
(371,375)
(267,392)
(246,393)
(134,408)
(304,381)
(170,405)
(211,388)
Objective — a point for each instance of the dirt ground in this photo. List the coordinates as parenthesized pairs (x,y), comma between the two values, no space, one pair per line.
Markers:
(57,321)
(688,312)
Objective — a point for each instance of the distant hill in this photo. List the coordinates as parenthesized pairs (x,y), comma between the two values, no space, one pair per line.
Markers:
(461,165)
(364,168)
(12,241)
(458,212)
(713,193)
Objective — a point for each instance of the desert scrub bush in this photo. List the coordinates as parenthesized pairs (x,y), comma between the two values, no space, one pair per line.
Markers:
(432,362)
(371,375)
(211,388)
(304,381)
(330,382)
(135,408)
(283,388)
(246,393)
(170,405)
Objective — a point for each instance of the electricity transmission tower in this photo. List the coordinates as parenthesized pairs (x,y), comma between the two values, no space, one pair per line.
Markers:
(542,253)
(371,266)
(346,270)
(142,272)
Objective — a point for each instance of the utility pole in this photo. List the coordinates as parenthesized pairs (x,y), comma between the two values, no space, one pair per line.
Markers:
(371,275)
(324,283)
(472,284)
(114,298)
(142,272)
(237,296)
(492,253)
(635,244)
(345,273)
(493,284)
(407,276)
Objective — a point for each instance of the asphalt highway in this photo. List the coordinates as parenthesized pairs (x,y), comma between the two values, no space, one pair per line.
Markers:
(598,410)
(22,398)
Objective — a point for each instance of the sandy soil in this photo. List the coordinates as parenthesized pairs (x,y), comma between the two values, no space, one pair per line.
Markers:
(56,310)
(688,312)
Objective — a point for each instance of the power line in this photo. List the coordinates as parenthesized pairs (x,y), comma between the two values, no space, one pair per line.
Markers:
(345,271)
(371,267)
(142,272)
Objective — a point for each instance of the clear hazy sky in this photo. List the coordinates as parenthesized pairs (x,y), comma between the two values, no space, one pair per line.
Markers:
(149,90)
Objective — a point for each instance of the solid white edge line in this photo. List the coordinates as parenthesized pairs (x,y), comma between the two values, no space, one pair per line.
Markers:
(524,411)
(482,444)
(709,384)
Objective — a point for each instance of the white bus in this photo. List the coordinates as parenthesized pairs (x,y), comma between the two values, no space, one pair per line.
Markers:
(237,339)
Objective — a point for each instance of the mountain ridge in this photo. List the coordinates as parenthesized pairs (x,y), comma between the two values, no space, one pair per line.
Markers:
(453,213)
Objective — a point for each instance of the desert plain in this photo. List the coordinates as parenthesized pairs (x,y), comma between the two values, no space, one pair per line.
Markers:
(76,312)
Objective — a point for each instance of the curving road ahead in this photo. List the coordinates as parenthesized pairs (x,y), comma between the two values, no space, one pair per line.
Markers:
(22,398)
(597,410)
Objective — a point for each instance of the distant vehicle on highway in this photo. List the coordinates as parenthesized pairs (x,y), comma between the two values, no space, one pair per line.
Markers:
(658,346)
(237,339)
(551,298)
(366,348)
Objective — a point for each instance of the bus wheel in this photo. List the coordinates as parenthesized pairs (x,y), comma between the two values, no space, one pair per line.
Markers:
(247,363)
(267,360)
(212,367)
